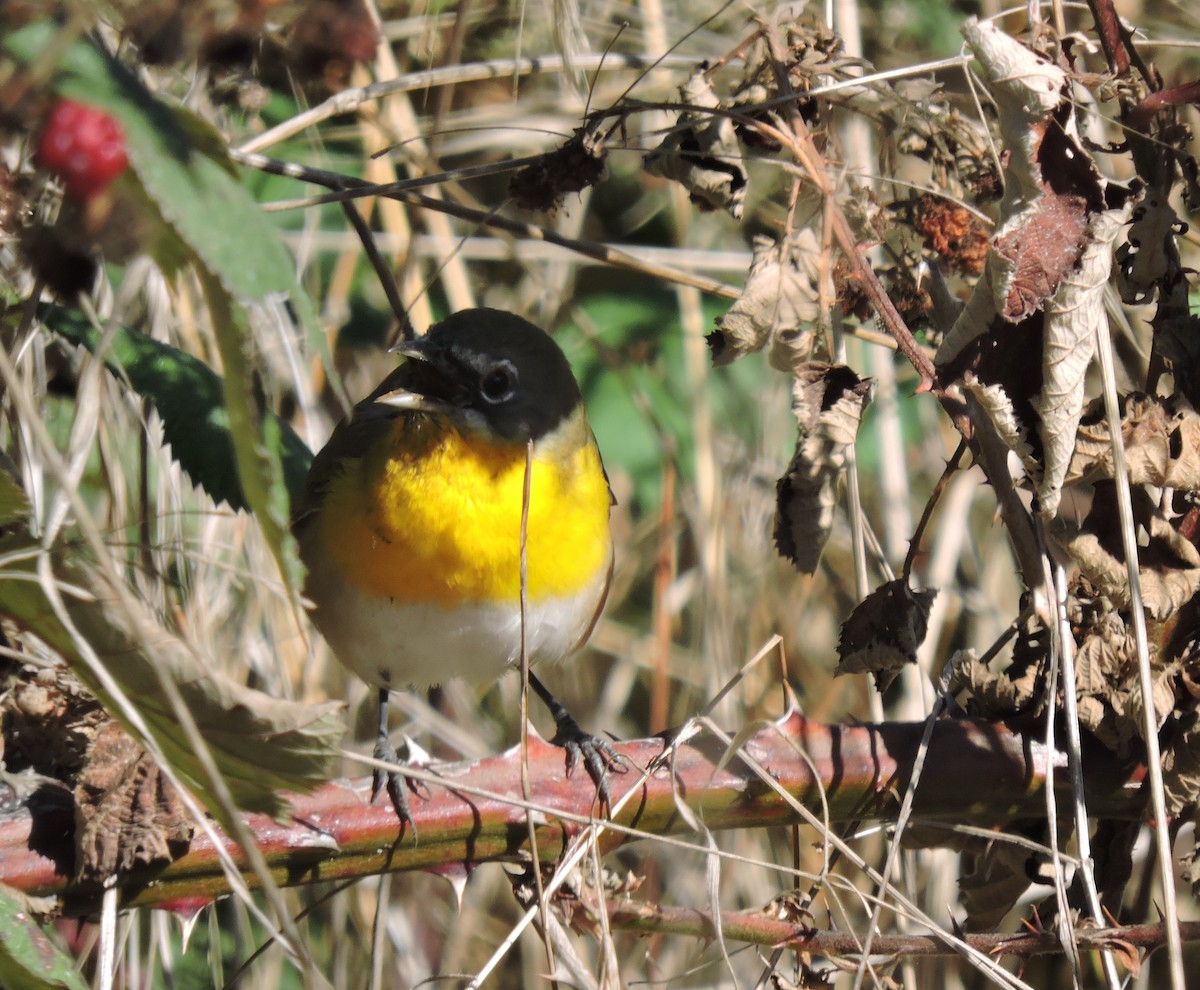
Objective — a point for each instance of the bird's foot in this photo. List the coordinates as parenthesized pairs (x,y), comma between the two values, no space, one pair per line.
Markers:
(395,782)
(598,756)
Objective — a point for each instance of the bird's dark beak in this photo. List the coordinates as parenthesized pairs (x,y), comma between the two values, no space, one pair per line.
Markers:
(428,385)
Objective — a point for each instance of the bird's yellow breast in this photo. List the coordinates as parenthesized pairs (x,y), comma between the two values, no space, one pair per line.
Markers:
(434,515)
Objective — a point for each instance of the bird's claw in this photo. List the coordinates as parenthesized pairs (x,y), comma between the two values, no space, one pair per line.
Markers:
(598,756)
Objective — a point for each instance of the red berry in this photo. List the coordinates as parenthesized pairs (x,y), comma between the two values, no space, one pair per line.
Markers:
(84,146)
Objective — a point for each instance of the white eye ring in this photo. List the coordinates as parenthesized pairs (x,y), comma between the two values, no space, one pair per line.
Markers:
(498,382)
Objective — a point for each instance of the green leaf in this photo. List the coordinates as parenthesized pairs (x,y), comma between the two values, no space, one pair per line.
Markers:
(207,216)
(257,438)
(181,163)
(190,399)
(14,504)
(261,745)
(29,960)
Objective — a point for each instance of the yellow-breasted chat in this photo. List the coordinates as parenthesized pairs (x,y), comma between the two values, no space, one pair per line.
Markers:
(410,522)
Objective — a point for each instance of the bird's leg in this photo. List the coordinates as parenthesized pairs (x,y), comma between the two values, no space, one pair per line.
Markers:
(396,783)
(599,757)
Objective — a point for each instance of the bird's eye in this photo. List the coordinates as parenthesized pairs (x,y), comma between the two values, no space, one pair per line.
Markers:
(498,382)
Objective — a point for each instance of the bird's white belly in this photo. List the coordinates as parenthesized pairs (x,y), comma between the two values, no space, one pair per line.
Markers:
(416,645)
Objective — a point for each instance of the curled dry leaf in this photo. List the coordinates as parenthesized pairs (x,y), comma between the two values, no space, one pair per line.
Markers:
(1105,666)
(780,303)
(1026,87)
(1168,564)
(574,166)
(1177,335)
(1126,952)
(1149,255)
(828,402)
(1001,409)
(49,720)
(1128,704)
(992,881)
(702,152)
(1181,769)
(1017,689)
(1074,316)
(126,813)
(1161,437)
(1108,683)
(1191,864)
(884,631)
(1035,251)
(994,694)
(1045,275)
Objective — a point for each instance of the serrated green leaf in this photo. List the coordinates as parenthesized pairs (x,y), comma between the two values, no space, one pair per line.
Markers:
(190,400)
(261,745)
(29,960)
(188,180)
(255,433)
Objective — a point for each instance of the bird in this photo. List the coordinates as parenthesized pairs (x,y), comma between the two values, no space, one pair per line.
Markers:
(409,524)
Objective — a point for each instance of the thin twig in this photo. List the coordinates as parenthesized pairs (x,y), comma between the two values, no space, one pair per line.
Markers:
(526,789)
(1074,744)
(591,249)
(349,100)
(914,545)
(382,271)
(1137,615)
(1062,919)
(760,928)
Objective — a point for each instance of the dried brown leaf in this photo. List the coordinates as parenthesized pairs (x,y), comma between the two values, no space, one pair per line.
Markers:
(828,402)
(1074,316)
(1093,716)
(994,694)
(1161,437)
(884,631)
(1099,663)
(1149,255)
(1026,87)
(1001,410)
(992,882)
(49,720)
(702,152)
(780,304)
(126,813)
(1181,769)
(1168,564)
(575,165)
(1104,668)
(1126,952)
(1049,263)
(1027,90)
(1038,248)
(1128,704)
